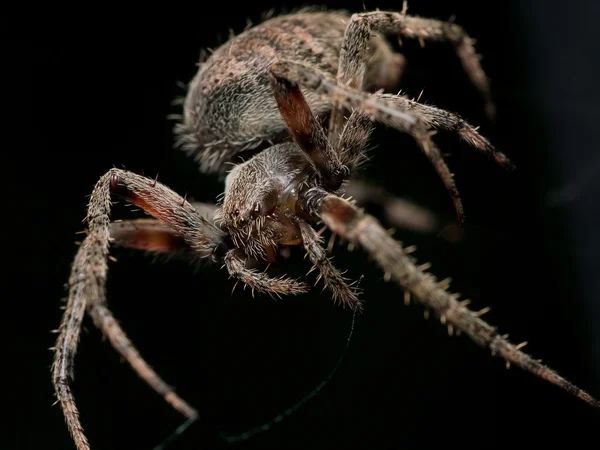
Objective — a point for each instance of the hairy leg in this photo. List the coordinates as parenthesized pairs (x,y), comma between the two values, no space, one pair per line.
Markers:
(352,141)
(361,229)
(152,235)
(393,110)
(88,280)
(332,278)
(360,29)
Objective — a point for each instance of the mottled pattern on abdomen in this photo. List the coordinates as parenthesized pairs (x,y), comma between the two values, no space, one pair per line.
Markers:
(230,107)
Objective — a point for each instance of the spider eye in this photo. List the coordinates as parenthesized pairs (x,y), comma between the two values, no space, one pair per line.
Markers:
(236,213)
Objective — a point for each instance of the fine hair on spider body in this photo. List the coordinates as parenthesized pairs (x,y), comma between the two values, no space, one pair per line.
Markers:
(291,70)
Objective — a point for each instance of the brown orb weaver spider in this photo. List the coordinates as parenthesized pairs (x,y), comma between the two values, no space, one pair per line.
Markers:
(273,198)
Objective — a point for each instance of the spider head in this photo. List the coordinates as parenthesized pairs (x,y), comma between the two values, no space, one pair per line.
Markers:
(260,197)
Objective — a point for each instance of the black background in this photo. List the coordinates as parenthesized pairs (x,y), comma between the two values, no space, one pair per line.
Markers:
(94,89)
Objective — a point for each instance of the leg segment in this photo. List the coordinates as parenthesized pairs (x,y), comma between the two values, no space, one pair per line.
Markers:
(235,261)
(154,236)
(148,235)
(88,279)
(350,223)
(436,118)
(333,279)
(105,321)
(307,132)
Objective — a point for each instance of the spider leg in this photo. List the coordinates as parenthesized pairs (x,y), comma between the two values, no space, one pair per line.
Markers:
(378,109)
(152,235)
(88,279)
(361,229)
(436,118)
(353,139)
(399,212)
(235,261)
(332,278)
(148,235)
(307,131)
(360,29)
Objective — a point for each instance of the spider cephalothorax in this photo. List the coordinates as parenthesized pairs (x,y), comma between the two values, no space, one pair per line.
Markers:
(262,217)
(276,197)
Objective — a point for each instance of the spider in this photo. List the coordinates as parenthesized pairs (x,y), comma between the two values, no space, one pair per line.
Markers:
(261,95)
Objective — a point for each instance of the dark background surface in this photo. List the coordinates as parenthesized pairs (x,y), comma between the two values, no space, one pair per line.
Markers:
(95,92)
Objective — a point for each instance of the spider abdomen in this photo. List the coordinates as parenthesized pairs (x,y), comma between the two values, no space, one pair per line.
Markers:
(229,107)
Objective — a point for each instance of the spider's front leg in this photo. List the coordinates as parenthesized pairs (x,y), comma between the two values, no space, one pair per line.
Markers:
(361,28)
(435,118)
(397,112)
(88,279)
(363,230)
(349,153)
(285,77)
